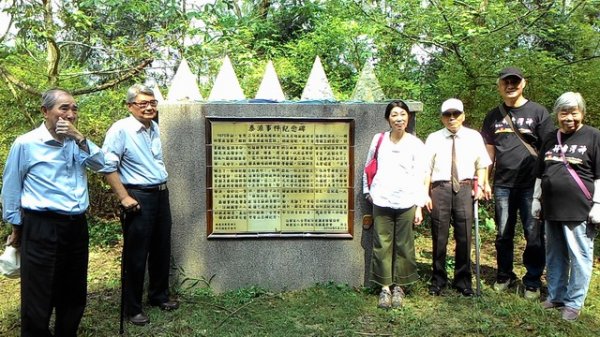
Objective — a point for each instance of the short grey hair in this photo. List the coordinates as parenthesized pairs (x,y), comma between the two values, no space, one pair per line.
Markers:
(49,97)
(569,100)
(137,89)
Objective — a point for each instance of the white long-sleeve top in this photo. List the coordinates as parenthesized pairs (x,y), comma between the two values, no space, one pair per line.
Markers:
(401,171)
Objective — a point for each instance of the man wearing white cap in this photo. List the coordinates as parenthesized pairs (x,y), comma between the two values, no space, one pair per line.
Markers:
(457,156)
(513,134)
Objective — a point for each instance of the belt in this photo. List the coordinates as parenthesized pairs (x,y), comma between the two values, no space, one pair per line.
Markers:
(55,215)
(447,182)
(147,188)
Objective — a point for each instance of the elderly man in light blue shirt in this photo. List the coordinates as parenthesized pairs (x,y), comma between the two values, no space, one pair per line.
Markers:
(136,172)
(44,197)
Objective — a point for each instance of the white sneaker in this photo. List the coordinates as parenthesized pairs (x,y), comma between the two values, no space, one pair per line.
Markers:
(385,299)
(397,297)
(532,293)
(501,286)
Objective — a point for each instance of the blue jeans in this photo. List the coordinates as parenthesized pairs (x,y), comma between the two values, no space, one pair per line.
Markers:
(570,258)
(508,202)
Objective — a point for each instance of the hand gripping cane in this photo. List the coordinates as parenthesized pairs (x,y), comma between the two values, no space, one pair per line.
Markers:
(477,252)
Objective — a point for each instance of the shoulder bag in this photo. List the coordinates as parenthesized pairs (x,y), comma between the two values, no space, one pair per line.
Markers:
(371,168)
(508,119)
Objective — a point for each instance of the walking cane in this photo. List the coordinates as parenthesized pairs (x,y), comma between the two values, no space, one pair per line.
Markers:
(476,218)
(122,217)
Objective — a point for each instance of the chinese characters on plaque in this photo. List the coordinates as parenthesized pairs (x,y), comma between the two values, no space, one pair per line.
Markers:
(280,176)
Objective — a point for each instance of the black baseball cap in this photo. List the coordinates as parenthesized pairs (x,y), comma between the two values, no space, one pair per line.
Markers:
(510,71)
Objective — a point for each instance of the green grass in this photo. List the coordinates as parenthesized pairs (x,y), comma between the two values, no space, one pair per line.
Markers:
(329,309)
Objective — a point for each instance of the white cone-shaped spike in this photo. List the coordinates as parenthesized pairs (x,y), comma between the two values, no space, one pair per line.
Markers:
(317,87)
(184,86)
(367,88)
(157,94)
(270,88)
(226,87)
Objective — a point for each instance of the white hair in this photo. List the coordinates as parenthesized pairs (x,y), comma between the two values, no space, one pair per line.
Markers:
(569,100)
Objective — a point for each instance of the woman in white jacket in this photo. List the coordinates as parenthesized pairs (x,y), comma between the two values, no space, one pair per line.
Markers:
(397,193)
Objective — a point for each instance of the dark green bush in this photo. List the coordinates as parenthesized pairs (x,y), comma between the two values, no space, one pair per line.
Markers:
(104,233)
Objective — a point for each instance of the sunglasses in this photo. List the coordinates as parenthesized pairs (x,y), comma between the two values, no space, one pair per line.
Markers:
(453,114)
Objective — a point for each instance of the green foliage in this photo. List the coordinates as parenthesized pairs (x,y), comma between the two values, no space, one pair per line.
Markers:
(5,230)
(104,233)
(422,50)
(486,216)
(187,283)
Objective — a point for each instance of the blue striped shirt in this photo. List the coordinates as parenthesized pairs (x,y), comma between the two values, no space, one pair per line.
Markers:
(43,174)
(135,152)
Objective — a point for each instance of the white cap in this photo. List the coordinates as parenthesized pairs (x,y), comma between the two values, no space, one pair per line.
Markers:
(452,104)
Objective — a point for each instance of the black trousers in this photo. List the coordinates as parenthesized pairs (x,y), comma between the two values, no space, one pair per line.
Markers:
(456,209)
(147,237)
(54,262)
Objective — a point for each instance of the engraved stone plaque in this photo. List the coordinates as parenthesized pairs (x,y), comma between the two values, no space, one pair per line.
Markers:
(280,177)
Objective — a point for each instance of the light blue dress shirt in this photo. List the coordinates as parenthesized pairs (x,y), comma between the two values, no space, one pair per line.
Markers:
(135,152)
(42,174)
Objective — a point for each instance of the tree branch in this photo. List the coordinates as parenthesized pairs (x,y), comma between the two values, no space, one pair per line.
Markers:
(10,78)
(525,28)
(68,43)
(585,59)
(16,96)
(134,71)
(453,45)
(3,37)
(98,72)
(575,7)
(401,33)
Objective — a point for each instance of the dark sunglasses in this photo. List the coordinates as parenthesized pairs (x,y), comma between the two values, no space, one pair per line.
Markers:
(453,114)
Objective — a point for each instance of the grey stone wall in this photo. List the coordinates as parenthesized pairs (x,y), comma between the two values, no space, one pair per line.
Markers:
(272,263)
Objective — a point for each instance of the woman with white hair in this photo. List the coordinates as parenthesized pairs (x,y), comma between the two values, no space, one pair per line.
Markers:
(568,183)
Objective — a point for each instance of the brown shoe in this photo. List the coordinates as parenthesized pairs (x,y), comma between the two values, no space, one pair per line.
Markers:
(139,319)
(169,305)
(547,304)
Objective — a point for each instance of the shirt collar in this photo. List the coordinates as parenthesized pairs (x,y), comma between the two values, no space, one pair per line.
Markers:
(448,134)
(46,137)
(137,125)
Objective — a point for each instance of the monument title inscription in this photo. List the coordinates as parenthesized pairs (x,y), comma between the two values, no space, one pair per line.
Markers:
(280,177)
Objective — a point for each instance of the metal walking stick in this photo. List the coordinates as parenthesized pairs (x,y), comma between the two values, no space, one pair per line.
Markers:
(122,217)
(477,252)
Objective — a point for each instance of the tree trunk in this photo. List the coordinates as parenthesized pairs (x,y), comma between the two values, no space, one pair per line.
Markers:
(263,8)
(53,57)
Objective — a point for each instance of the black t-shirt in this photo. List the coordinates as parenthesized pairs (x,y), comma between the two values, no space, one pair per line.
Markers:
(514,164)
(562,198)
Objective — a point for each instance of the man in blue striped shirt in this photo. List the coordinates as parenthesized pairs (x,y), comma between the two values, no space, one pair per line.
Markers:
(44,197)
(136,172)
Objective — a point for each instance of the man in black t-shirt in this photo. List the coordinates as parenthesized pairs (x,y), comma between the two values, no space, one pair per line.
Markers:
(514,178)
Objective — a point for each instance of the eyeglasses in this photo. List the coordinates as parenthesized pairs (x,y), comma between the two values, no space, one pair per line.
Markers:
(453,114)
(144,104)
